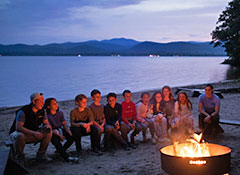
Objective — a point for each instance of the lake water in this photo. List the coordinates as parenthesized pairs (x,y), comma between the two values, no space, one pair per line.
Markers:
(64,77)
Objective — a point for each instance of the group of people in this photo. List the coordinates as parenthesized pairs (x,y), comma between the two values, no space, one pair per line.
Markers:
(167,118)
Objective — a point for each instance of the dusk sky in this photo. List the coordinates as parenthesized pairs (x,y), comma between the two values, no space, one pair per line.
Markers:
(58,21)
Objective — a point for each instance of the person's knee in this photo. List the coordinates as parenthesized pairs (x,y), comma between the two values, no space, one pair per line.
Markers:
(201,116)
(151,126)
(99,131)
(141,128)
(144,127)
(147,124)
(150,122)
(55,138)
(49,135)
(20,137)
(190,117)
(177,122)
(108,130)
(215,120)
(123,128)
(164,120)
(138,128)
(115,131)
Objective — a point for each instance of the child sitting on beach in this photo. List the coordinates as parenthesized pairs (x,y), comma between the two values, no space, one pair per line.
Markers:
(98,113)
(113,114)
(81,119)
(167,103)
(182,122)
(142,109)
(59,128)
(160,121)
(128,122)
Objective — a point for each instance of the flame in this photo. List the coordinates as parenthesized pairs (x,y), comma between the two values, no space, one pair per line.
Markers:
(191,149)
(197,137)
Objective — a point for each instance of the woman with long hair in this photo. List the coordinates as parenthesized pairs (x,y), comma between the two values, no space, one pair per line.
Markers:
(183,120)
(160,121)
(168,103)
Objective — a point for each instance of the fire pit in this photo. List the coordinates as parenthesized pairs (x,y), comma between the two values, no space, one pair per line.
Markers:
(210,159)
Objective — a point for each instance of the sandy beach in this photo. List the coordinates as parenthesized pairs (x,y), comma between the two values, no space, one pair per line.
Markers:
(143,160)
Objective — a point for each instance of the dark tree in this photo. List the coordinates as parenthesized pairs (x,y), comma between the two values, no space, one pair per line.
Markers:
(227,32)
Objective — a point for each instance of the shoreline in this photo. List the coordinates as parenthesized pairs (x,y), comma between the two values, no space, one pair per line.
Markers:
(233,87)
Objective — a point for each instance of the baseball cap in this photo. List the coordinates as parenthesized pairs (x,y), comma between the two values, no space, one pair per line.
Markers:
(35,96)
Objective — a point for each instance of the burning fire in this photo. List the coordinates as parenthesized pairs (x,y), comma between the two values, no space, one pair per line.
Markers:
(192,149)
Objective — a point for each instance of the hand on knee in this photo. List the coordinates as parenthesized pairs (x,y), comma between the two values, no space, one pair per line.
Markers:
(38,135)
(207,119)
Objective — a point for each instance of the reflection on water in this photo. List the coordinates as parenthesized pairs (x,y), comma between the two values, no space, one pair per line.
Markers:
(233,73)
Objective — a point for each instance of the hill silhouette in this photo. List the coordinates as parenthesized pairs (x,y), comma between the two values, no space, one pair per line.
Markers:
(115,46)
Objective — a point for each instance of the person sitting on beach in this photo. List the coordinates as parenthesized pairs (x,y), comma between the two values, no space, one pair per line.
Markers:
(142,108)
(129,118)
(209,107)
(98,113)
(167,103)
(31,126)
(81,119)
(113,114)
(60,129)
(182,122)
(160,121)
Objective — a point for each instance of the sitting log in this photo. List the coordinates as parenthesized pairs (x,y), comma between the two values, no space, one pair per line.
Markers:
(230,122)
(8,165)
(3,161)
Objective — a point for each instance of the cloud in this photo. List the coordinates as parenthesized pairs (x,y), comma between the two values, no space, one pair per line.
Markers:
(132,20)
(59,20)
(108,3)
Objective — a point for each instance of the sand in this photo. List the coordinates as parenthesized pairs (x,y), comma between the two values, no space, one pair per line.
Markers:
(143,160)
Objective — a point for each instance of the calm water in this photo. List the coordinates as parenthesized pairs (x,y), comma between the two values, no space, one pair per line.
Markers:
(65,77)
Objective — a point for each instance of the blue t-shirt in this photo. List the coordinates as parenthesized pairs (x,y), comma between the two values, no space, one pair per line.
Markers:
(209,104)
(56,120)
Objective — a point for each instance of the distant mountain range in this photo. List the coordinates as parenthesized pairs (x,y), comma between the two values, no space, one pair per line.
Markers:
(115,46)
